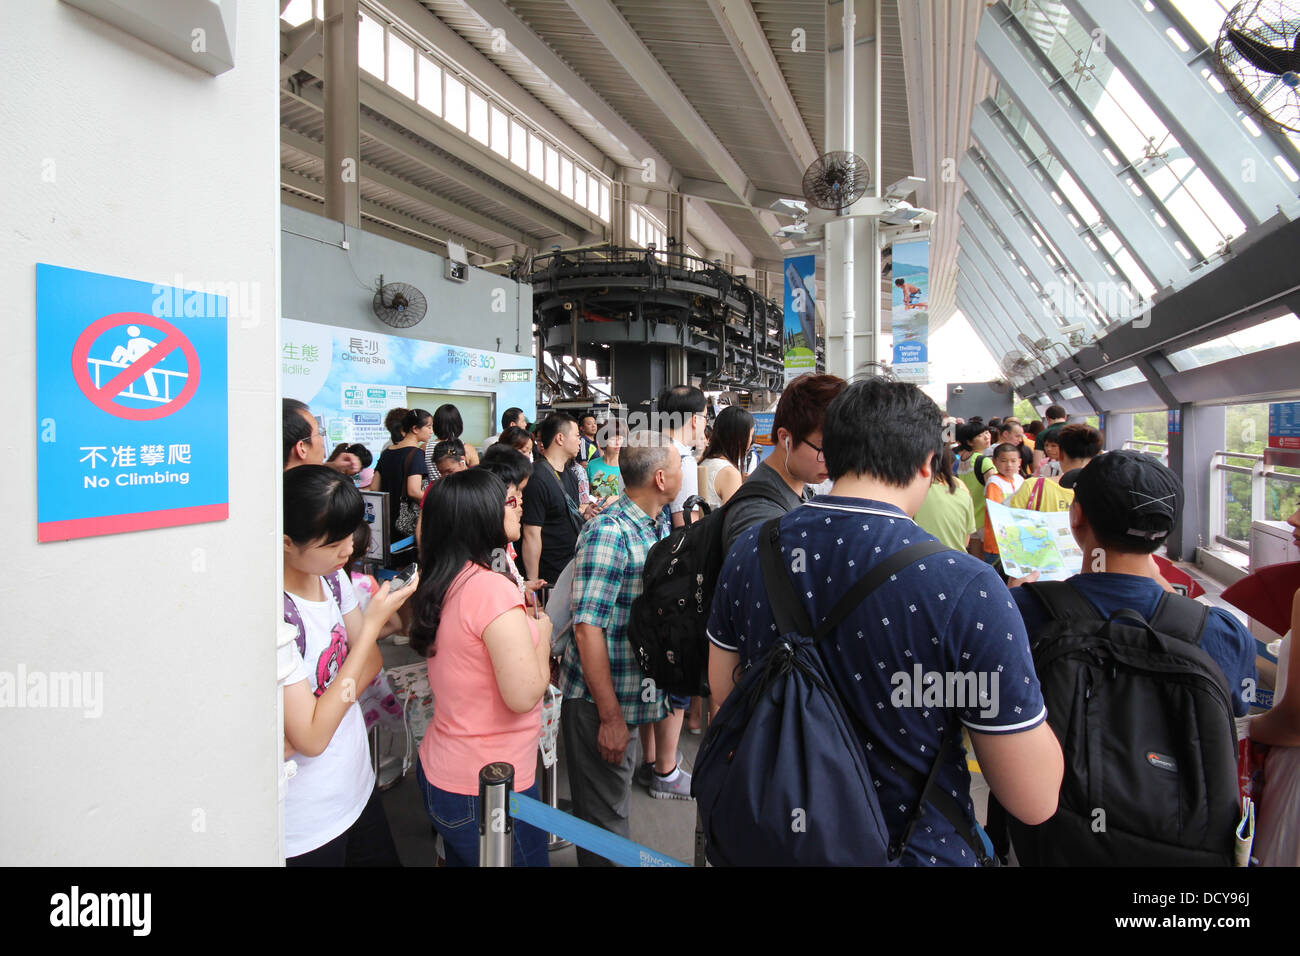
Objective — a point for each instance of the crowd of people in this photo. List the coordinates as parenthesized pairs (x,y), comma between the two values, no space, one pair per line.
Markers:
(571,508)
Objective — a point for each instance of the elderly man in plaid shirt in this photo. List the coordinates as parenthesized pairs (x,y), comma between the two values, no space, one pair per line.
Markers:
(605,691)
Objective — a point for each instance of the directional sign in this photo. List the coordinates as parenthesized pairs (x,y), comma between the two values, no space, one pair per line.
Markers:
(131,405)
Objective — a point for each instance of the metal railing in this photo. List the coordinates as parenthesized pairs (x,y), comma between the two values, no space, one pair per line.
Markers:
(1259,474)
(1161,448)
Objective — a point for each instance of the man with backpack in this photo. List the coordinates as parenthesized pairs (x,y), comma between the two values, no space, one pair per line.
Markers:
(682,412)
(1142,685)
(868,714)
(604,690)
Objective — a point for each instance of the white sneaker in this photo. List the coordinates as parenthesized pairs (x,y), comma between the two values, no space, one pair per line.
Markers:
(678,789)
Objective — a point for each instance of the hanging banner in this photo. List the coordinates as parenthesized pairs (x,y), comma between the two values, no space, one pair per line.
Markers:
(800,316)
(911,310)
(131,405)
(351,379)
(1283,447)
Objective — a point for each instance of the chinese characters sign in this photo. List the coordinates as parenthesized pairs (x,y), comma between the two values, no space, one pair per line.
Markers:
(131,405)
(352,378)
(1283,447)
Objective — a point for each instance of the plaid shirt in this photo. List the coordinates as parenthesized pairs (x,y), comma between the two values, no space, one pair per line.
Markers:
(607,578)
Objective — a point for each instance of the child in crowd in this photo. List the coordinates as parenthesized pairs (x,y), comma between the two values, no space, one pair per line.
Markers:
(378,702)
(332,812)
(998,488)
(448,457)
(367,460)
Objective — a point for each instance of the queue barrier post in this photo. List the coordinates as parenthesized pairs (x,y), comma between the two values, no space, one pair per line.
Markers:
(551,797)
(496,826)
(499,806)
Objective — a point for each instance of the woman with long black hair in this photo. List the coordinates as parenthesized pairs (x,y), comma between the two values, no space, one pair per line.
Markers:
(720,469)
(488,661)
(401,469)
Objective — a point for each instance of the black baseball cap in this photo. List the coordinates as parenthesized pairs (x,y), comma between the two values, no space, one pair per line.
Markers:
(1129,496)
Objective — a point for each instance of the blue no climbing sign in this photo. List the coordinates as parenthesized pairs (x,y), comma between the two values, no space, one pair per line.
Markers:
(131,405)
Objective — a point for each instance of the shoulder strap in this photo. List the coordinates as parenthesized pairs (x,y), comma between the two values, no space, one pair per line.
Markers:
(873,579)
(291,616)
(1181,617)
(787,610)
(1062,601)
(1036,496)
(335,588)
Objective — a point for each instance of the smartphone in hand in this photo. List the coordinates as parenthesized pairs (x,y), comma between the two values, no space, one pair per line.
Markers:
(403,577)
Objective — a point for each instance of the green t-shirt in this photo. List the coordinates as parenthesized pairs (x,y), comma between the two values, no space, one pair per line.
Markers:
(606,480)
(949,516)
(966,475)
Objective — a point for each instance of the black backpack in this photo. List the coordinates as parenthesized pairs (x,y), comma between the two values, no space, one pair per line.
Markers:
(669,617)
(1145,719)
(979,469)
(782,778)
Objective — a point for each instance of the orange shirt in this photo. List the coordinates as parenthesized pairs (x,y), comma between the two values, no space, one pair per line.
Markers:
(995,489)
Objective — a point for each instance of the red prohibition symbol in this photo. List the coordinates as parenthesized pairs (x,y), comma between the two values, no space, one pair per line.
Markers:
(104,396)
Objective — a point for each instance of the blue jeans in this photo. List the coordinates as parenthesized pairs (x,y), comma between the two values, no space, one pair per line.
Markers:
(455,817)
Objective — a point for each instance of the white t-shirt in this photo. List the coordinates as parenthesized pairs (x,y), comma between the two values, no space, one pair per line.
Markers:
(1009,488)
(329,791)
(690,476)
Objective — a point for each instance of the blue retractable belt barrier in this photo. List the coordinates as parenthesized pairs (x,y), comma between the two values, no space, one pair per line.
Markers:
(611,846)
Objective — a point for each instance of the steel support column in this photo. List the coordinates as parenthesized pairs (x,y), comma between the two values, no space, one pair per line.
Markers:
(1201,431)
(342,114)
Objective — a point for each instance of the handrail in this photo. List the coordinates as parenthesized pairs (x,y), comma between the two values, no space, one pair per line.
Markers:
(1238,454)
(1258,473)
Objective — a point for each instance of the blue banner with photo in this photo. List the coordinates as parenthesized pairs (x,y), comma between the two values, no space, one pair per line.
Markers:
(911,310)
(800,335)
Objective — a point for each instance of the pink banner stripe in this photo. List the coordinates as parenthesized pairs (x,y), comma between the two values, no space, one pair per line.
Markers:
(140,521)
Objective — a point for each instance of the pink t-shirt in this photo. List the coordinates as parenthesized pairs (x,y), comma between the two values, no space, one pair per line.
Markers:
(472,726)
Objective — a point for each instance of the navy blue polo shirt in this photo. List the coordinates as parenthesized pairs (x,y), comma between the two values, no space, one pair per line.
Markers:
(1224,639)
(948,614)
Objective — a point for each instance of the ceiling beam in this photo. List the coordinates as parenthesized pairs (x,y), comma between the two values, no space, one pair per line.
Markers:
(749,42)
(369,171)
(532,48)
(304,41)
(465,55)
(630,52)
(713,231)
(720,192)
(437,247)
(390,216)
(1213,305)
(453,141)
